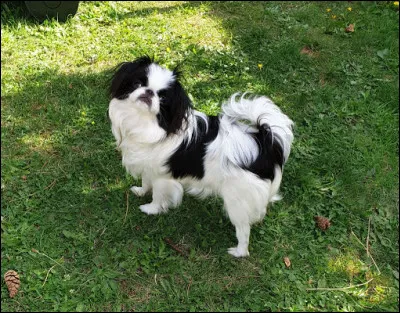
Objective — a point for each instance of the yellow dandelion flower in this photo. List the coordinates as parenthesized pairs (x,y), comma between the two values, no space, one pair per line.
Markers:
(260,66)
(333,16)
(328,10)
(349,9)
(168,49)
(396,3)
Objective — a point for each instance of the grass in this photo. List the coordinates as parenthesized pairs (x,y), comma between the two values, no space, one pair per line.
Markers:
(74,233)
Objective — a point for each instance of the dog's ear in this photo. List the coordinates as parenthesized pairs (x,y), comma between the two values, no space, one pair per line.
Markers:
(174,108)
(124,74)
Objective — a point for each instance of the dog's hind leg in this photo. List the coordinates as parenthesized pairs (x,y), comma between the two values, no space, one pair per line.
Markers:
(166,193)
(245,202)
(238,215)
(243,236)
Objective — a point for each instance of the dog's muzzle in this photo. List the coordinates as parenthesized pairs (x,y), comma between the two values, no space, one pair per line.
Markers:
(147,97)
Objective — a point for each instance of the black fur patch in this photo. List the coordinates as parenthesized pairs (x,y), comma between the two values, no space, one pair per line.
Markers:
(174,106)
(188,159)
(270,153)
(127,76)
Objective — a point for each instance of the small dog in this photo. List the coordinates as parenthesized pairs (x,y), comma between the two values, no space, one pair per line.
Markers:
(238,155)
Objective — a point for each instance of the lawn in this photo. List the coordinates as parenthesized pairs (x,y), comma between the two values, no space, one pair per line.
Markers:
(72,229)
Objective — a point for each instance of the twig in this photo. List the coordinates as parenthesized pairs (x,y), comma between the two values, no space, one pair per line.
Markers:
(341,289)
(173,246)
(45,163)
(379,272)
(188,288)
(47,275)
(127,206)
(368,253)
(36,251)
(359,241)
(51,185)
(367,240)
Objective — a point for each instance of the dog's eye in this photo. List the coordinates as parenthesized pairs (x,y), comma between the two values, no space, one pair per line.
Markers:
(137,85)
(162,94)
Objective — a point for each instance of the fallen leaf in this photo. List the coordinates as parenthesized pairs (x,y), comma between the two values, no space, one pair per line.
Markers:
(350,28)
(322,222)
(13,282)
(287,261)
(307,50)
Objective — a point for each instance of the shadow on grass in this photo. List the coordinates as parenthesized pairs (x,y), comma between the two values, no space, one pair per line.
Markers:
(58,154)
(14,11)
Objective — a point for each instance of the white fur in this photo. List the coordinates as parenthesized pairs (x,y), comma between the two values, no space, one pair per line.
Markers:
(145,149)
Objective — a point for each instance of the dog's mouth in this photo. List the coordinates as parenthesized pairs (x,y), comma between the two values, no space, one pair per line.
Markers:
(146,99)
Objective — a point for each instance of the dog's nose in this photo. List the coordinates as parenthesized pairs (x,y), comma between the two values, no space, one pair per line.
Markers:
(146,96)
(149,92)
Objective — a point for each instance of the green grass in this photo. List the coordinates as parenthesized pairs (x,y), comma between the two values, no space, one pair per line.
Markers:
(64,192)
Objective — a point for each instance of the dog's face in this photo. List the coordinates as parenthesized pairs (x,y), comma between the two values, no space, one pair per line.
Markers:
(146,86)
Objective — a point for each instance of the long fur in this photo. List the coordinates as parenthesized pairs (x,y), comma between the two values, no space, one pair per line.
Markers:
(238,155)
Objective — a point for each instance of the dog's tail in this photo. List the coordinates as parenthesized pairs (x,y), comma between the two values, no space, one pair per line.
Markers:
(259,115)
(272,130)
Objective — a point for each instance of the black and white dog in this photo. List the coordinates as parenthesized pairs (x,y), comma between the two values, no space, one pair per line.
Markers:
(238,155)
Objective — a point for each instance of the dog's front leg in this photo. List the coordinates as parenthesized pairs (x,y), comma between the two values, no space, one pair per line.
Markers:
(166,193)
(146,186)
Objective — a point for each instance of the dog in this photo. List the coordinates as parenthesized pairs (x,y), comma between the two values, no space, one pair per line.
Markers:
(238,155)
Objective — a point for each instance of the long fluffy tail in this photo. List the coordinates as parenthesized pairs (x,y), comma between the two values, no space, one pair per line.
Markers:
(260,114)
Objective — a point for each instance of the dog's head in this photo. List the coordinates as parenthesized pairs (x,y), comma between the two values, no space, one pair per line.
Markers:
(148,87)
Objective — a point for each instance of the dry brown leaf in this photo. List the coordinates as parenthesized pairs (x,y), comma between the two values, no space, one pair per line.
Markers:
(13,282)
(350,28)
(287,261)
(322,222)
(309,51)
(306,50)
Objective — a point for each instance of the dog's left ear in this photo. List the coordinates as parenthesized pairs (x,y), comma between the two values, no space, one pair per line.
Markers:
(174,107)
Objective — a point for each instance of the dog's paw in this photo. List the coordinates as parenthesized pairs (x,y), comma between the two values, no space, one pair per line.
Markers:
(138,191)
(150,209)
(238,253)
